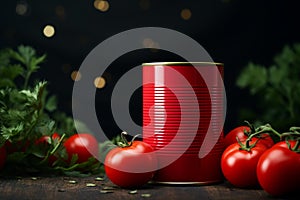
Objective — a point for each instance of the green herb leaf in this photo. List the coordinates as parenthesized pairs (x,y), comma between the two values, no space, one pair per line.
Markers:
(27,113)
(51,103)
(8,75)
(275,89)
(253,77)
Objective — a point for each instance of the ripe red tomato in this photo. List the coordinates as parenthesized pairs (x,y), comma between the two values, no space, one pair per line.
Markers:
(266,140)
(239,132)
(84,145)
(2,156)
(284,144)
(20,146)
(278,171)
(239,166)
(131,166)
(44,143)
(46,139)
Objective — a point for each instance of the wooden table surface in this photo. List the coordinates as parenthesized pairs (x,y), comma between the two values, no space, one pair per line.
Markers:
(92,188)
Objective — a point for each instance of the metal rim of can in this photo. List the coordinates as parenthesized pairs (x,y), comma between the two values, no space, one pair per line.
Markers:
(182,64)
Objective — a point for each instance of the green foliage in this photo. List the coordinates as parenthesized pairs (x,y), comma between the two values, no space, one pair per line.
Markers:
(22,115)
(276,89)
(108,145)
(249,78)
(27,113)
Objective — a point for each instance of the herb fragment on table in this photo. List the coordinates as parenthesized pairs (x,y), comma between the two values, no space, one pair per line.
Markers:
(91,185)
(146,195)
(108,188)
(61,190)
(72,182)
(99,179)
(106,191)
(133,192)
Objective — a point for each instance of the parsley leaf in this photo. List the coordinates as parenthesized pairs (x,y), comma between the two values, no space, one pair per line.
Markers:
(275,88)
(27,113)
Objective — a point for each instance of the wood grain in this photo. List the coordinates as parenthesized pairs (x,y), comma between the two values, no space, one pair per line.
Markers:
(76,188)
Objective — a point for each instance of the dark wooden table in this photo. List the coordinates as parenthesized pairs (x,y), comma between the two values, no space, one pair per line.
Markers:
(93,188)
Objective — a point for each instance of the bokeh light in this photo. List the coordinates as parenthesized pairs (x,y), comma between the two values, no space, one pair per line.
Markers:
(22,8)
(49,31)
(186,14)
(75,75)
(99,82)
(101,5)
(149,43)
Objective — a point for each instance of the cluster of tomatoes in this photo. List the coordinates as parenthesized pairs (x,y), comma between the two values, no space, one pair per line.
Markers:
(252,159)
(83,145)
(129,165)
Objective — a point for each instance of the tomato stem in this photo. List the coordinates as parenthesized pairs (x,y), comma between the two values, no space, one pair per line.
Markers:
(295,149)
(295,129)
(54,149)
(256,133)
(290,134)
(252,128)
(264,129)
(58,144)
(246,146)
(125,142)
(132,140)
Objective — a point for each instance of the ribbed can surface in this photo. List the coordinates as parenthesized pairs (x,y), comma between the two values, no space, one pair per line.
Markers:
(183,116)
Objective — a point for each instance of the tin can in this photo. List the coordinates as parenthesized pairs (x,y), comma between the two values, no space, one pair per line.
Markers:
(183,116)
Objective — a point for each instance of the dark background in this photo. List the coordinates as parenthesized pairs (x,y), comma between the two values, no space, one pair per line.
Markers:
(233,32)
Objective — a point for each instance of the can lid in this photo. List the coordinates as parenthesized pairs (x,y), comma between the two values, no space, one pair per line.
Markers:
(182,63)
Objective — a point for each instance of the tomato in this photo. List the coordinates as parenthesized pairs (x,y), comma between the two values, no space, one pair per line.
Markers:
(19,146)
(2,156)
(278,171)
(83,145)
(239,132)
(239,166)
(266,139)
(131,166)
(46,139)
(44,143)
(284,144)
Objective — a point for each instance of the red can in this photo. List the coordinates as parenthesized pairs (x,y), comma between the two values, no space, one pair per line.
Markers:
(183,117)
